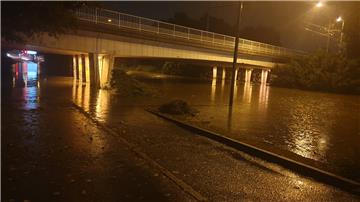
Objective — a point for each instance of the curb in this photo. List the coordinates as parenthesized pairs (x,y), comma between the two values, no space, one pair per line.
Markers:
(298,167)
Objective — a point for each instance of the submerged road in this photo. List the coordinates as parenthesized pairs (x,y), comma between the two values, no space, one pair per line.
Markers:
(53,151)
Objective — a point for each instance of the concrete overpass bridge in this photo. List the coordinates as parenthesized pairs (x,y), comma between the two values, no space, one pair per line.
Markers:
(103,35)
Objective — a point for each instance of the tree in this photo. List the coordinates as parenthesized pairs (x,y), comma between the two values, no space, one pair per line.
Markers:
(320,71)
(183,19)
(31,18)
(352,30)
(261,34)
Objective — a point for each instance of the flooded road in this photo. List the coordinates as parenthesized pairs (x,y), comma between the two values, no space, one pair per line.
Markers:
(322,128)
(52,151)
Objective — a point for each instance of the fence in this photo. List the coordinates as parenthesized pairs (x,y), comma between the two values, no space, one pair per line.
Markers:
(121,20)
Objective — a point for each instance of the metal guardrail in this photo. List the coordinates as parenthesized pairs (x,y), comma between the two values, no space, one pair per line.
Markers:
(122,20)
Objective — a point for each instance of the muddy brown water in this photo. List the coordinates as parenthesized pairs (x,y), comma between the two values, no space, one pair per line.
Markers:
(322,127)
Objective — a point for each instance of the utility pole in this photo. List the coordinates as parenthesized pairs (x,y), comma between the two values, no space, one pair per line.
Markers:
(328,38)
(232,84)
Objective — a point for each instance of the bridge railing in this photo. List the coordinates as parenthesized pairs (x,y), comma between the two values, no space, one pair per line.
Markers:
(122,20)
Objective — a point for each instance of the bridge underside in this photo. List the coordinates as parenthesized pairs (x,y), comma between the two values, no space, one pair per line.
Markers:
(94,53)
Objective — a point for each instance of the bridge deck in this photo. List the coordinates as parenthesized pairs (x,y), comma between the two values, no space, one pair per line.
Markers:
(136,26)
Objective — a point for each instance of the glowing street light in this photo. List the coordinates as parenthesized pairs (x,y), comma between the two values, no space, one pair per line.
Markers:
(339,19)
(319,4)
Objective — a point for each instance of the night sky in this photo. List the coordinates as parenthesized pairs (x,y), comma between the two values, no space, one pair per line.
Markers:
(284,17)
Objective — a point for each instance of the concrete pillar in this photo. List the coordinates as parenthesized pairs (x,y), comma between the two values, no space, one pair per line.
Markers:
(223,73)
(248,75)
(214,72)
(264,75)
(75,74)
(83,69)
(94,69)
(106,64)
(87,68)
(236,74)
(111,67)
(80,68)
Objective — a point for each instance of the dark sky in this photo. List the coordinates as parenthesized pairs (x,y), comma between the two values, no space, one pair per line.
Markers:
(285,17)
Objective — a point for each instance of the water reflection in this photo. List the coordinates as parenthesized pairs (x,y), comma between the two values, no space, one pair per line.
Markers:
(213,90)
(26,79)
(247,92)
(305,137)
(91,100)
(263,97)
(102,104)
(86,97)
(81,94)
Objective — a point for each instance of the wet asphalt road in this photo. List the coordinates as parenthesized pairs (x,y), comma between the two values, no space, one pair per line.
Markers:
(52,152)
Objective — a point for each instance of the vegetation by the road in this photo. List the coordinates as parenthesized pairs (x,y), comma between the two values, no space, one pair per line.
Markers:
(177,107)
(320,71)
(126,85)
(27,19)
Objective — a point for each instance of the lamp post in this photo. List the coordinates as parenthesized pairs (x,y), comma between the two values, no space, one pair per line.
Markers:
(340,19)
(319,4)
(235,54)
(329,31)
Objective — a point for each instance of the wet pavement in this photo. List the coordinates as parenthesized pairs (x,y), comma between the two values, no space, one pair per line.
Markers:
(52,151)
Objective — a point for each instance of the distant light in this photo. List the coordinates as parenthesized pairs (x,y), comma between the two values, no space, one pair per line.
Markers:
(319,4)
(31,52)
(109,20)
(23,57)
(339,19)
(13,56)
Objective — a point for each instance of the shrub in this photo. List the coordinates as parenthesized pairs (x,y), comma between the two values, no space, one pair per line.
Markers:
(320,71)
(126,85)
(177,107)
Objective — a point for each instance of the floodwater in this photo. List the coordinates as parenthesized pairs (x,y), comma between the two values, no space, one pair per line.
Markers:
(322,128)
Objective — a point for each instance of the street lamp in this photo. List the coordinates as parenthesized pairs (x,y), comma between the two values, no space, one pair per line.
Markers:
(339,19)
(319,4)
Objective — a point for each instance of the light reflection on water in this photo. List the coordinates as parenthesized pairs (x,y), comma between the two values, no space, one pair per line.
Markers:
(26,84)
(319,126)
(102,104)
(91,100)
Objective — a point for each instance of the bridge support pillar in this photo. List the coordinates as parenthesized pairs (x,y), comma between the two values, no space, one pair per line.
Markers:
(94,69)
(214,72)
(248,75)
(87,68)
(80,68)
(236,74)
(105,63)
(264,76)
(223,73)
(75,68)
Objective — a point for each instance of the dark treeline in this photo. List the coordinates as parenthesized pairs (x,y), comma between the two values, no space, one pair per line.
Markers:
(210,23)
(320,71)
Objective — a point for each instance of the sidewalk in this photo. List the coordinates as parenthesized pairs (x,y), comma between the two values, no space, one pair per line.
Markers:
(54,153)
